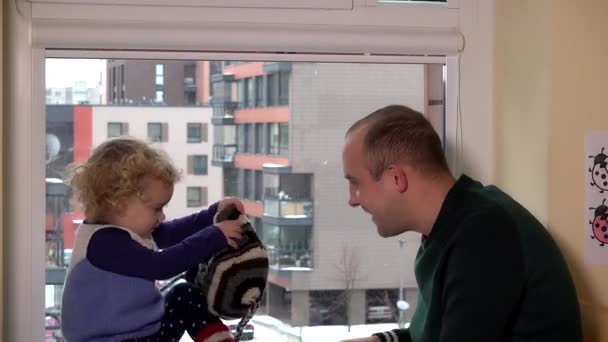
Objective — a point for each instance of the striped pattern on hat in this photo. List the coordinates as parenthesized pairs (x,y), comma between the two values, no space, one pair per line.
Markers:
(235,279)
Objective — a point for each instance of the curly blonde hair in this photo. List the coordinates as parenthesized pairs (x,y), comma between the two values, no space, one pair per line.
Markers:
(114,172)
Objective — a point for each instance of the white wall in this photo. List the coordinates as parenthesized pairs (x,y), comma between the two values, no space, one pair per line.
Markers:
(176,147)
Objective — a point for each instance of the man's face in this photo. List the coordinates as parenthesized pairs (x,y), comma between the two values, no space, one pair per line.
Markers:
(375,197)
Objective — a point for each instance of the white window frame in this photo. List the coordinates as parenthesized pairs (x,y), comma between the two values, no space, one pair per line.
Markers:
(449,3)
(276,4)
(366,34)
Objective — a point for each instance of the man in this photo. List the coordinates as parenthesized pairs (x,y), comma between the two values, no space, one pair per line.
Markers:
(487,270)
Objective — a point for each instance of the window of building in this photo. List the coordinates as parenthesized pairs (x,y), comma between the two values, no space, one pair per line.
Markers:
(283,139)
(247,184)
(241,138)
(117,129)
(259,185)
(123,84)
(197,164)
(283,88)
(272,90)
(160,74)
(259,138)
(159,96)
(243,93)
(251,95)
(259,91)
(196,196)
(158,131)
(380,305)
(231,182)
(328,307)
(273,138)
(197,132)
(250,136)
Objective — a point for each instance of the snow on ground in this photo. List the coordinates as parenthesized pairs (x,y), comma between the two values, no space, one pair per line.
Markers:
(270,329)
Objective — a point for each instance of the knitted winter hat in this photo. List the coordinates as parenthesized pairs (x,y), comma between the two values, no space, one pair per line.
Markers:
(234,280)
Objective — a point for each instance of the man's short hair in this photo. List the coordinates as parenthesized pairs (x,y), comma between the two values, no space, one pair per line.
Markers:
(400,134)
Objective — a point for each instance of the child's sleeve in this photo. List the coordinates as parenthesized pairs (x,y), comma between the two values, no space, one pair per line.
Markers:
(113,250)
(172,232)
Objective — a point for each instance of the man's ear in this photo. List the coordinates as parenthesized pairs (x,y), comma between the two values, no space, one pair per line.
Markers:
(398,177)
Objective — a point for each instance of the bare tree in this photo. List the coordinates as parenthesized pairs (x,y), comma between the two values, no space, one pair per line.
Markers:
(349,273)
(333,306)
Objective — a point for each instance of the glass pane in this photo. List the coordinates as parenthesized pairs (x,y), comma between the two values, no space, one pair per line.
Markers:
(155,131)
(200,165)
(114,129)
(159,96)
(274,137)
(194,197)
(194,132)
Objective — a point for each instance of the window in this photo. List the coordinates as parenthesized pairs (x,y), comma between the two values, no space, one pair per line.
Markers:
(259,91)
(241,137)
(272,90)
(283,139)
(273,135)
(231,182)
(251,95)
(196,196)
(160,75)
(250,137)
(159,96)
(160,83)
(197,165)
(286,170)
(197,132)
(158,131)
(117,129)
(242,92)
(283,88)
(259,138)
(259,185)
(247,186)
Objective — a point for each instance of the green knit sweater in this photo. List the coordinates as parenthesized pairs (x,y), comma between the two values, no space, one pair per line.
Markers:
(489,271)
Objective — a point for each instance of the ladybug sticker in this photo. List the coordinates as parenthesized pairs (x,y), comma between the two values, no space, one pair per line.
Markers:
(599,225)
(599,173)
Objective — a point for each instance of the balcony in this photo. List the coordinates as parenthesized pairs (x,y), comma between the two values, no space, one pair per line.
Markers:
(223,113)
(223,155)
(288,212)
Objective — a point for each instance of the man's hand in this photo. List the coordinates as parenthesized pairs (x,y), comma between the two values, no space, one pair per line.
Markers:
(364,339)
(228,201)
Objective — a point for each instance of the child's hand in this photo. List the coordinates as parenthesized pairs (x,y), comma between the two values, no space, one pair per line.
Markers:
(232,231)
(228,201)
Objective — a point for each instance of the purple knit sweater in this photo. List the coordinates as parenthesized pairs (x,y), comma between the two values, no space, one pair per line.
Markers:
(110,292)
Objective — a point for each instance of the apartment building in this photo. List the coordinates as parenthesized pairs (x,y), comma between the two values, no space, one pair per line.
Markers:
(279,131)
(183,133)
(160,82)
